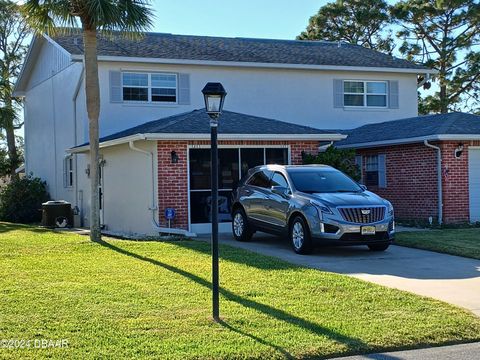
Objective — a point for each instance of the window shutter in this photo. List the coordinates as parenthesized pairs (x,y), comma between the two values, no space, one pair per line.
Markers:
(337,93)
(359,163)
(116,87)
(393,94)
(184,89)
(382,171)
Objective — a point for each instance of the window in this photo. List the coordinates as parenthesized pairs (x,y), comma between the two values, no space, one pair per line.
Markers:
(68,171)
(371,171)
(261,179)
(156,87)
(365,93)
(279,180)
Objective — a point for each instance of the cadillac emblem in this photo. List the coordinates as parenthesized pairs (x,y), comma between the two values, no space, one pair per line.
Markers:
(365,212)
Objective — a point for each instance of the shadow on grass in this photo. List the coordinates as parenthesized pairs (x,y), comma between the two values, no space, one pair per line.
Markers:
(232,254)
(7,227)
(353,345)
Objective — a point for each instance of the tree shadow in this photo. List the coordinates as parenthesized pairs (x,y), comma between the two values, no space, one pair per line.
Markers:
(231,254)
(7,227)
(353,345)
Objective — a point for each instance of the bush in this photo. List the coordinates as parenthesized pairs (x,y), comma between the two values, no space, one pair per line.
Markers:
(21,200)
(341,159)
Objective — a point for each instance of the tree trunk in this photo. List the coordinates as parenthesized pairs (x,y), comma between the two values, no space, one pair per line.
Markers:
(92,92)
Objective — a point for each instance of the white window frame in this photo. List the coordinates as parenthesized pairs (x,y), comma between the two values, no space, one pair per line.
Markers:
(149,88)
(69,171)
(365,94)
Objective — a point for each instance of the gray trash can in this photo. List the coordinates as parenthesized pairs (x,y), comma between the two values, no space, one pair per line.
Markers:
(57,214)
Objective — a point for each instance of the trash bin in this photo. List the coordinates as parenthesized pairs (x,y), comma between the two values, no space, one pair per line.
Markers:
(57,214)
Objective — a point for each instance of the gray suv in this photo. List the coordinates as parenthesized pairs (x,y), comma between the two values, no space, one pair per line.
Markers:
(313,204)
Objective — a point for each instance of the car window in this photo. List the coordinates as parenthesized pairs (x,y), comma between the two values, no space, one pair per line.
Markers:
(322,181)
(278,180)
(261,179)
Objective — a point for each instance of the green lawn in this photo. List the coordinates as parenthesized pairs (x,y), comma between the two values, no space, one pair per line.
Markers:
(461,242)
(126,299)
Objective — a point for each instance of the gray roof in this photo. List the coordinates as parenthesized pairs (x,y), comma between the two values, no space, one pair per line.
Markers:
(207,48)
(455,123)
(198,122)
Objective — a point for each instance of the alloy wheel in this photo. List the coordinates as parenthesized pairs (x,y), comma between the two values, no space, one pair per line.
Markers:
(298,235)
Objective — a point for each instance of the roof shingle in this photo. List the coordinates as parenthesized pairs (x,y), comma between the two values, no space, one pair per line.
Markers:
(455,123)
(188,47)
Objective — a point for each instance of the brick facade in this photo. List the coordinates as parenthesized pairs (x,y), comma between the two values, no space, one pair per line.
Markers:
(173,178)
(411,172)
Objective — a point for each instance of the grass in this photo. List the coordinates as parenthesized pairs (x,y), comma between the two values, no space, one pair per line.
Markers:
(461,242)
(126,299)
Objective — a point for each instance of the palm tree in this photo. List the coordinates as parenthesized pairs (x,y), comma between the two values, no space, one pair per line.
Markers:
(95,16)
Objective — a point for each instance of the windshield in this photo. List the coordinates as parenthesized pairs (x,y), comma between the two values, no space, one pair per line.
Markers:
(323,181)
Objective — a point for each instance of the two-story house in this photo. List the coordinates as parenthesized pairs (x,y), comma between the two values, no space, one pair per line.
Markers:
(283,98)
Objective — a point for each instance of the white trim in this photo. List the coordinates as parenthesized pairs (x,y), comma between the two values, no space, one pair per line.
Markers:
(446,137)
(257,64)
(194,137)
(365,94)
(149,87)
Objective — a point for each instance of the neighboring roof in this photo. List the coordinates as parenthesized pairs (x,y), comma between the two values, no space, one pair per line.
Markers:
(451,126)
(241,50)
(195,125)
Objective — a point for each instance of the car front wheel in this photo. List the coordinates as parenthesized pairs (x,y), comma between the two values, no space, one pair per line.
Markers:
(300,236)
(240,227)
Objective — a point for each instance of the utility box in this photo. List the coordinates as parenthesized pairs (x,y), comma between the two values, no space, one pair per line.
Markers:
(57,214)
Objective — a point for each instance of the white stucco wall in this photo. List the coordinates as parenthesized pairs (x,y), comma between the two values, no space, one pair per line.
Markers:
(127,188)
(298,96)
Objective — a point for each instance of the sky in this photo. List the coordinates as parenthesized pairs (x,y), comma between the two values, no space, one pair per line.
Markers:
(275,19)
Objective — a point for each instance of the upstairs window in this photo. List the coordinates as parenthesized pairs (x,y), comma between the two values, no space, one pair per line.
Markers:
(154,87)
(365,93)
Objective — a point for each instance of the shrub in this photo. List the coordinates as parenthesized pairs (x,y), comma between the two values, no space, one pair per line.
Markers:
(21,200)
(341,159)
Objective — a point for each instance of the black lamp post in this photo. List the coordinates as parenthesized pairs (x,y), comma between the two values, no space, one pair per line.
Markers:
(214,95)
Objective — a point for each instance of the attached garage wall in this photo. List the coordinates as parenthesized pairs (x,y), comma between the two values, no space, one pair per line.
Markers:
(173,178)
(411,183)
(474,183)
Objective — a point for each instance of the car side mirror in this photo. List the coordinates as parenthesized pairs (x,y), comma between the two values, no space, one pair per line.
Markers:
(280,190)
(364,187)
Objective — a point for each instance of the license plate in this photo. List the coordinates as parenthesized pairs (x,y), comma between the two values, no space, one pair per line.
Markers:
(368,230)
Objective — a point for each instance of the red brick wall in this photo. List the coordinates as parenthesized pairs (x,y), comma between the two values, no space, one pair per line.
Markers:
(173,181)
(456,207)
(412,181)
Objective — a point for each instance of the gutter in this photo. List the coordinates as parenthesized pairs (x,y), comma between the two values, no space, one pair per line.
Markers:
(439,180)
(246,64)
(153,207)
(175,136)
(442,137)
(74,103)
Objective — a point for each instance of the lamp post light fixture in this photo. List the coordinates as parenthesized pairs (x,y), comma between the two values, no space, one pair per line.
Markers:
(214,95)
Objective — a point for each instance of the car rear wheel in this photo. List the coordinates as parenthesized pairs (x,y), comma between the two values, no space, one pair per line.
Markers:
(378,247)
(242,231)
(300,236)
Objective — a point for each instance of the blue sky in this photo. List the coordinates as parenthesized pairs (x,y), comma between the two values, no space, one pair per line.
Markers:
(276,19)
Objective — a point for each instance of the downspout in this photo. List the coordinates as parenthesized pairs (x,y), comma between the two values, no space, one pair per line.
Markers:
(153,208)
(439,180)
(74,102)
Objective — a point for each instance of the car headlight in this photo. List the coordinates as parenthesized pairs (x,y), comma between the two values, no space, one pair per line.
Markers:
(390,209)
(322,209)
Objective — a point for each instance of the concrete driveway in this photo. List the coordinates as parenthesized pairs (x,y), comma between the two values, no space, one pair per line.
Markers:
(452,279)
